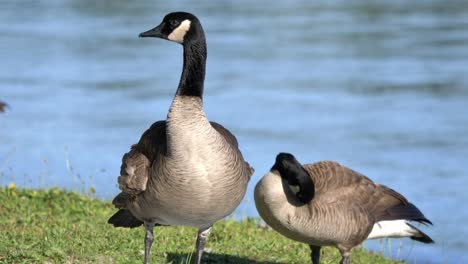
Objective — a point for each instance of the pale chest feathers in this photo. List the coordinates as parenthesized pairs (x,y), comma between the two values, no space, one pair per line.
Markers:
(271,200)
(278,206)
(193,144)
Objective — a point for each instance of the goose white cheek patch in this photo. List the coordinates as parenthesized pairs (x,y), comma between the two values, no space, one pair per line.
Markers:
(179,32)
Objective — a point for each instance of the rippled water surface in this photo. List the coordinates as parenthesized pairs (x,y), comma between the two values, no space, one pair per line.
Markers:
(380,86)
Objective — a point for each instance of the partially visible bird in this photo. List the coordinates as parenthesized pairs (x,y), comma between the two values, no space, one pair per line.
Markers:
(3,106)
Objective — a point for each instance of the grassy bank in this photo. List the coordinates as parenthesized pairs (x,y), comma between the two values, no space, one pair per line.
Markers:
(56,226)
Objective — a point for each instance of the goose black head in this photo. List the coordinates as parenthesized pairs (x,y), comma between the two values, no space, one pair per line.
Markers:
(298,178)
(180,27)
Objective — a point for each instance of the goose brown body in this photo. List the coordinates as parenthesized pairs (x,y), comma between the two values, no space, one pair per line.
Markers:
(184,170)
(180,172)
(342,213)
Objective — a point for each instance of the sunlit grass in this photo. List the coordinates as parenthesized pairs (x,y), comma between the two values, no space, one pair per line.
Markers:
(57,226)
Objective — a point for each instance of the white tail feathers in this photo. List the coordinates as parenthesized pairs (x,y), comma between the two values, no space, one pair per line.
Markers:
(393,228)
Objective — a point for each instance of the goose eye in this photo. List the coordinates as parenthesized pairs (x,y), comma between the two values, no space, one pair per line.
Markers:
(174,23)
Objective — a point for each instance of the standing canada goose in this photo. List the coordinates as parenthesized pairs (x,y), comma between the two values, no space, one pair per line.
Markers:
(185,170)
(327,204)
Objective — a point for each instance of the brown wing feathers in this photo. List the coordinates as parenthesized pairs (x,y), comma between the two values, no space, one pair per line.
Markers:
(153,141)
(382,202)
(393,206)
(231,139)
(407,212)
(134,172)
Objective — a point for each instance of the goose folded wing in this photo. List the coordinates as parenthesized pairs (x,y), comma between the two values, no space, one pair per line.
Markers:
(231,139)
(134,172)
(228,136)
(385,204)
(136,164)
(336,182)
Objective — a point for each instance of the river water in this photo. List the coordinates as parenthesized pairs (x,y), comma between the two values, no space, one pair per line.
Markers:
(379,86)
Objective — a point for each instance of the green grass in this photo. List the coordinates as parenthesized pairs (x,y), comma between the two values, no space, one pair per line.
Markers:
(56,226)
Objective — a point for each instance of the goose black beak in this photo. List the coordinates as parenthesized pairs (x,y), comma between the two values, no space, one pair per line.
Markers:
(154,33)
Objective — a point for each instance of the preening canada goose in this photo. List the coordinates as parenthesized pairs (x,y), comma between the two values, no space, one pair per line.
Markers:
(184,170)
(327,204)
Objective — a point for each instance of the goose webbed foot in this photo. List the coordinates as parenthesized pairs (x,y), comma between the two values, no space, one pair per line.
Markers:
(201,241)
(315,254)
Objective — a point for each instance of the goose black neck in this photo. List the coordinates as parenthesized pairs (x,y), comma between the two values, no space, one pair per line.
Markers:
(193,73)
(296,175)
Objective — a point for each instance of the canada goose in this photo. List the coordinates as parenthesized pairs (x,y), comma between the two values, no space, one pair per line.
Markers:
(184,170)
(327,204)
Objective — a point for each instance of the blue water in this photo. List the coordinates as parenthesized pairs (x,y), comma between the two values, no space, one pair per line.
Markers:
(379,86)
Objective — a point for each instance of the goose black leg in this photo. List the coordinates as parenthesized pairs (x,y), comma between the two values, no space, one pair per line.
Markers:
(345,260)
(315,254)
(345,256)
(148,239)
(201,241)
